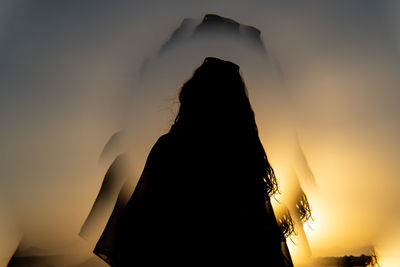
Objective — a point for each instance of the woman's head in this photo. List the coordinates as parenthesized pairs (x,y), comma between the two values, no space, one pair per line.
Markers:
(214,96)
(214,102)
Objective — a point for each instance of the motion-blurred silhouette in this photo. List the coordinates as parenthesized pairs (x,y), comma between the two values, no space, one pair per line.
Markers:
(204,194)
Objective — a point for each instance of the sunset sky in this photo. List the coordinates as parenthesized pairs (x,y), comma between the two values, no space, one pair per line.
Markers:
(71,75)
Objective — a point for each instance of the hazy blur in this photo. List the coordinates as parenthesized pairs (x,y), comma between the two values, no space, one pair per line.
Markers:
(71,75)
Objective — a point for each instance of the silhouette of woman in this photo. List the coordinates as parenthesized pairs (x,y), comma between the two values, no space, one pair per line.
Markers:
(204,195)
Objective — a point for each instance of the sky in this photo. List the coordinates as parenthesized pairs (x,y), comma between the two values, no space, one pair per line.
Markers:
(67,70)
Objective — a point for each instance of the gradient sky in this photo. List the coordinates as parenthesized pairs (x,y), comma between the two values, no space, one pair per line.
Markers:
(65,68)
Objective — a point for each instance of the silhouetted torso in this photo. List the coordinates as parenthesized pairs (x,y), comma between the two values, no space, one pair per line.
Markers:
(197,202)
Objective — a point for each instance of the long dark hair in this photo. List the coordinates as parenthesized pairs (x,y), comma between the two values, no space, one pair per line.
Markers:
(215,101)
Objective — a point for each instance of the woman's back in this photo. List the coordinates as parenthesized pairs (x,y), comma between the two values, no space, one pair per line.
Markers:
(199,202)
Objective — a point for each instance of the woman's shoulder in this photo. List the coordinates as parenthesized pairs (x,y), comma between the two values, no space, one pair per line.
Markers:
(164,140)
(164,143)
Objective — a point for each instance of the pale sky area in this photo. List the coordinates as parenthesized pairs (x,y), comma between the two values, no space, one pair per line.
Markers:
(70,78)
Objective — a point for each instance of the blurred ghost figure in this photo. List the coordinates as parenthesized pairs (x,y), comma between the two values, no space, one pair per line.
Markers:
(114,179)
(204,194)
(216,36)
